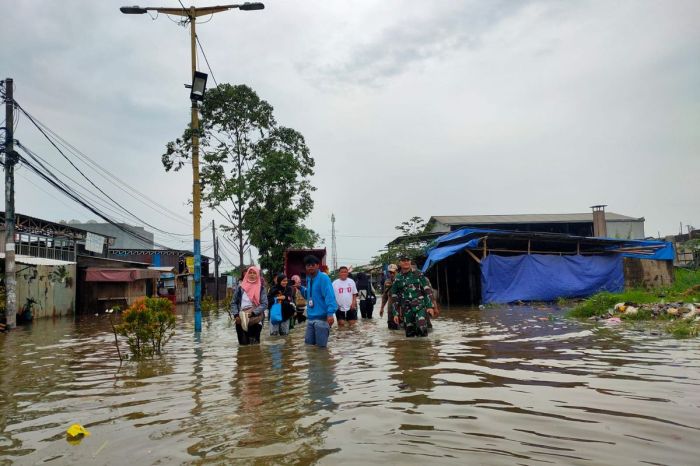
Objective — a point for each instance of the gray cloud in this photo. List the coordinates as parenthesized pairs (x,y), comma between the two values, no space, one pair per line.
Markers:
(443,28)
(467,107)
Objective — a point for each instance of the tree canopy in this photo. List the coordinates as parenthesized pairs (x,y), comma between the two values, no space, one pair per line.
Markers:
(411,243)
(254,172)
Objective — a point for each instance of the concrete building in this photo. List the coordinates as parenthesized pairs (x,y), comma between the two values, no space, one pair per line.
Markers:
(46,255)
(578,224)
(122,240)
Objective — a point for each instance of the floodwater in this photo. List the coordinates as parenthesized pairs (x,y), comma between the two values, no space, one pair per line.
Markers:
(502,386)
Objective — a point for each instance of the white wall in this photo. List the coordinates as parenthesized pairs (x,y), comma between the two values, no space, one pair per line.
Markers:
(625,230)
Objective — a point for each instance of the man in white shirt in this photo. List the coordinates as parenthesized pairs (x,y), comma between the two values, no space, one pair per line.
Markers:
(346,297)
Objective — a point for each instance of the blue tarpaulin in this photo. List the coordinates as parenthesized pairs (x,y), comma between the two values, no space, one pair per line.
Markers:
(469,238)
(466,232)
(539,277)
(656,250)
(438,254)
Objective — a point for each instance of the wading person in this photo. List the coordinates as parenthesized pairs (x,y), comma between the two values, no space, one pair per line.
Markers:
(299,300)
(320,304)
(283,294)
(248,307)
(386,298)
(412,297)
(365,295)
(345,292)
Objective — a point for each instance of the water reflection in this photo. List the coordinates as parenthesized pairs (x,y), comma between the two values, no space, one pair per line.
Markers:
(502,386)
(412,357)
(320,378)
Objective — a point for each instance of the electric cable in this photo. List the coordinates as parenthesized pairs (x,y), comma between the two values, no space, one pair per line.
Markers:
(206,60)
(89,180)
(43,163)
(56,183)
(116,181)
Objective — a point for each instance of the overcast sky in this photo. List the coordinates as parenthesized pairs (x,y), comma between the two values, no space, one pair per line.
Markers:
(409,107)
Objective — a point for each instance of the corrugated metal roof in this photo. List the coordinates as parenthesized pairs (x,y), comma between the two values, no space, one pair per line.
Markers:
(28,260)
(528,218)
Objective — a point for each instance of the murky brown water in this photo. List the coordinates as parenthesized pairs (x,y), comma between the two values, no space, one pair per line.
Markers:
(487,387)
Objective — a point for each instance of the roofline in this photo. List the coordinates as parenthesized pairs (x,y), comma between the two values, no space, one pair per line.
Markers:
(129,251)
(112,260)
(53,225)
(627,219)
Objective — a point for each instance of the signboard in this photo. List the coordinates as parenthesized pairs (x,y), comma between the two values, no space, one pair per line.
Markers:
(189,261)
(94,243)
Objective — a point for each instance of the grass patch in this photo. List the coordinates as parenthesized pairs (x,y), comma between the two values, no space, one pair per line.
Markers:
(680,328)
(642,314)
(601,303)
(687,283)
(686,288)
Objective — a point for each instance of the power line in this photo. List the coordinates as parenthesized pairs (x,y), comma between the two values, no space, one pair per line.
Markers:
(65,189)
(43,163)
(116,181)
(211,72)
(88,179)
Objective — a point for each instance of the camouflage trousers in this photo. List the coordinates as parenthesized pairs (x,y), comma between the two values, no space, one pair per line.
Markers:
(415,322)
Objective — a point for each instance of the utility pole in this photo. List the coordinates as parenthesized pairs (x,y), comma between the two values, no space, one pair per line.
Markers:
(216,260)
(334,250)
(196,189)
(10,160)
(191,14)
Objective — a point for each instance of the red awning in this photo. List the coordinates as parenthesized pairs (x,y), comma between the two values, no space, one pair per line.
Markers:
(99,274)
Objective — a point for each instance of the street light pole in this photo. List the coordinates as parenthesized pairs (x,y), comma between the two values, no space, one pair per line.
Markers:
(192,14)
(196,188)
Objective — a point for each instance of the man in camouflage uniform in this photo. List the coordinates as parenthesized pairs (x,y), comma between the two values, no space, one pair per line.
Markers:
(386,298)
(411,295)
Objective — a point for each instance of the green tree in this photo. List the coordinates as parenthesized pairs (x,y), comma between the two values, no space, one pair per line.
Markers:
(281,198)
(253,172)
(411,243)
(412,227)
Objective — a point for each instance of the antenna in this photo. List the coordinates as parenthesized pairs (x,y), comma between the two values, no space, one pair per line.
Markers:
(334,250)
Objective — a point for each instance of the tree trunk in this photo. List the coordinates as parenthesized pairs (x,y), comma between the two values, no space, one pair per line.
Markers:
(241,252)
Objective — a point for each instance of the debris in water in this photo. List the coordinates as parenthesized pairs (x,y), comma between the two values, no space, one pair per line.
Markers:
(76,433)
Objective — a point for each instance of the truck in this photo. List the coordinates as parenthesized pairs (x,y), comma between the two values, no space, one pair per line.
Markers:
(294,261)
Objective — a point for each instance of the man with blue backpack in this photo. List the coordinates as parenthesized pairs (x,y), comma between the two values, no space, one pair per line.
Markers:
(320,303)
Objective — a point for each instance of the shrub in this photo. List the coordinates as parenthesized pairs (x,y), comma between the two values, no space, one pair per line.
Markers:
(147,325)
(208,304)
(683,329)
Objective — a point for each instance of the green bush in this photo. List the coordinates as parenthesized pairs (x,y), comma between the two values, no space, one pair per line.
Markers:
(208,304)
(147,325)
(680,328)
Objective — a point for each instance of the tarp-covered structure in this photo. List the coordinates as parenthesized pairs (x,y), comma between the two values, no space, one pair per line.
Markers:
(527,266)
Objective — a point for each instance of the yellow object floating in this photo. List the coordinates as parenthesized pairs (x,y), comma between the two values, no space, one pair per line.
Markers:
(76,431)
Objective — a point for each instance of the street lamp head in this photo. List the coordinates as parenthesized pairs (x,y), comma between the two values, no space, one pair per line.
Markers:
(199,84)
(132,10)
(248,6)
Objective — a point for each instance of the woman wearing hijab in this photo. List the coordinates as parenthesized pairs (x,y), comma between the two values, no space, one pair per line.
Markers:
(282,293)
(248,307)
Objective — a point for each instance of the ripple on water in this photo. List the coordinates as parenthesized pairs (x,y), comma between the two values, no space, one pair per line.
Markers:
(493,387)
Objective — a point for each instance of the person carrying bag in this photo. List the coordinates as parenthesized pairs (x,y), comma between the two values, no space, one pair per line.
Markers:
(248,307)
